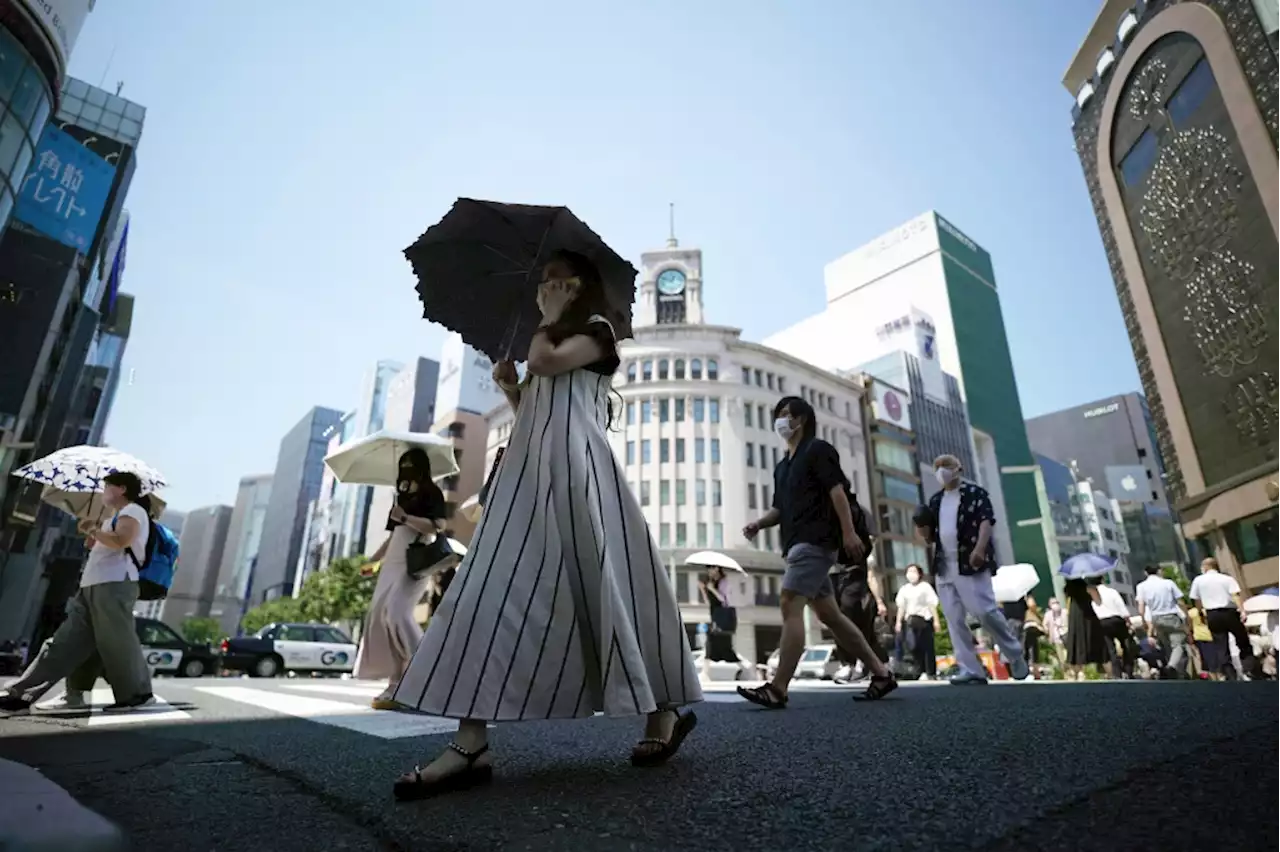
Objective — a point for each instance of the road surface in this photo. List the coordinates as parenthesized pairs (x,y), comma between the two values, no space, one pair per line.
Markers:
(231,765)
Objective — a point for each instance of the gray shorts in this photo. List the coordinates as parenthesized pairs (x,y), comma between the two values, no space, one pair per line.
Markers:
(808,571)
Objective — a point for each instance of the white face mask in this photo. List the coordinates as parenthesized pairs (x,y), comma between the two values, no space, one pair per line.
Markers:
(945,475)
(784,428)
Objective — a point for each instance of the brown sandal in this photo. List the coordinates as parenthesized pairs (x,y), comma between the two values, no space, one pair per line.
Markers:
(766,695)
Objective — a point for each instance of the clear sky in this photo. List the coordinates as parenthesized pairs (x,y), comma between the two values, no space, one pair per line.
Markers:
(293,148)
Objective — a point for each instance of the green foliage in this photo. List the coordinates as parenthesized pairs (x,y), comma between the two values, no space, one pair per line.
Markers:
(942,637)
(1184,585)
(337,594)
(202,631)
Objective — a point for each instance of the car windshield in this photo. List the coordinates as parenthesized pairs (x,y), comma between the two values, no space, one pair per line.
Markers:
(817,655)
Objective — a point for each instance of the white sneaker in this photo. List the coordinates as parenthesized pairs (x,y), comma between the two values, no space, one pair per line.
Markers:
(73,699)
(924,677)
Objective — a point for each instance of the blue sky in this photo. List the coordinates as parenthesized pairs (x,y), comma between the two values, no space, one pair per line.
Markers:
(292,149)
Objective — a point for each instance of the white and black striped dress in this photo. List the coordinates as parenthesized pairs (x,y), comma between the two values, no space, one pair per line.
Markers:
(562,606)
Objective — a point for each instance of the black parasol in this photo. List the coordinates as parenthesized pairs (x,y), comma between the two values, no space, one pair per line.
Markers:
(479,267)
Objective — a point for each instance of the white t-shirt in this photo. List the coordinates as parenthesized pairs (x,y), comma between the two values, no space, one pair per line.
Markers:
(108,565)
(919,601)
(1213,590)
(1111,605)
(1160,595)
(948,535)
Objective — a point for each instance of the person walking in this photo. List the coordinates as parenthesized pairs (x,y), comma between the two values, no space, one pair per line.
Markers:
(1086,643)
(724,620)
(917,622)
(1055,630)
(811,504)
(1217,596)
(861,599)
(1032,631)
(1161,607)
(1113,618)
(963,564)
(100,616)
(562,606)
(392,633)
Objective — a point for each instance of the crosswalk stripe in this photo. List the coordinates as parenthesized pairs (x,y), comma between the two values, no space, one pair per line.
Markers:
(340,714)
(366,690)
(160,711)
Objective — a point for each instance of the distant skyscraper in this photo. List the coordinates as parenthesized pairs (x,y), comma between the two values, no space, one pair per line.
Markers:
(195,581)
(295,483)
(466,379)
(244,535)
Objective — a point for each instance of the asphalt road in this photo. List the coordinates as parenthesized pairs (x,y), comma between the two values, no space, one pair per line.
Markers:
(291,765)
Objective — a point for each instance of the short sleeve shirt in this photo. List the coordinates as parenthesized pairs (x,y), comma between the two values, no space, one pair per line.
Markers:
(109,565)
(1213,590)
(802,485)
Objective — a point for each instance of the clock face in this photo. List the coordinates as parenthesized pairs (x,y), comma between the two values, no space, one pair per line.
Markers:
(671,282)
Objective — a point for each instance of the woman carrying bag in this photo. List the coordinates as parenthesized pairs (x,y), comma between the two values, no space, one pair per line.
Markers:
(415,548)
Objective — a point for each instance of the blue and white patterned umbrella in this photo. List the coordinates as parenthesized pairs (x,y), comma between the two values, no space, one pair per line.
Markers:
(1083,566)
(81,469)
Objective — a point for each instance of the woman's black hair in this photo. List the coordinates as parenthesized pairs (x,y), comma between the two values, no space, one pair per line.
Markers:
(128,481)
(798,408)
(416,463)
(590,301)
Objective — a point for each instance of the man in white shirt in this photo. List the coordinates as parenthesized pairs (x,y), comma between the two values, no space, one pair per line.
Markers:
(1160,605)
(100,616)
(1217,596)
(1113,615)
(917,605)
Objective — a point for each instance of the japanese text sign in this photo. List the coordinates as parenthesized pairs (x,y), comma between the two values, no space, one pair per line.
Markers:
(65,191)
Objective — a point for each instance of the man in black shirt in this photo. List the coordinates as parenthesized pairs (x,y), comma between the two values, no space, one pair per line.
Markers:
(811,503)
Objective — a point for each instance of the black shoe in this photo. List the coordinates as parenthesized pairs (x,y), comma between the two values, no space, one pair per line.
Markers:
(130,704)
(14,704)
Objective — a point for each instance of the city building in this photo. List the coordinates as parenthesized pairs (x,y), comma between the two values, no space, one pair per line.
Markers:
(36,42)
(244,536)
(694,435)
(195,592)
(62,253)
(1112,443)
(1100,516)
(1175,124)
(1064,530)
(294,485)
(928,283)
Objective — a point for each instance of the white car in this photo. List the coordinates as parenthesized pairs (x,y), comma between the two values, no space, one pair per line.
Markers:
(302,648)
(816,663)
(719,670)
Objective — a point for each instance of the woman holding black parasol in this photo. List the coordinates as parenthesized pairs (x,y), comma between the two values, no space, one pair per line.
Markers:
(562,607)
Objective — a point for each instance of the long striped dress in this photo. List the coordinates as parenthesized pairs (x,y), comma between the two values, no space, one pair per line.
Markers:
(562,607)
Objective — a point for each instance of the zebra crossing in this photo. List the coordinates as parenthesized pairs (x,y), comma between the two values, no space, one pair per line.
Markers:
(340,704)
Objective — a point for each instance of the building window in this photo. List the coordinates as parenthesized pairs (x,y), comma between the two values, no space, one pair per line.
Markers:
(644,493)
(631,371)
(646,369)
(664,535)
(664,410)
(746,416)
(646,411)
(664,492)
(699,450)
(631,414)
(682,535)
(1190,94)
(646,454)
(679,409)
(894,456)
(759,379)
(717,534)
(717,496)
(680,492)
(762,418)
(702,535)
(679,449)
(631,452)
(775,456)
(713,369)
(695,368)
(700,492)
(664,450)
(713,409)
(663,366)
(746,375)
(715,451)
(751,497)
(1254,537)
(699,409)
(764,496)
(751,454)
(679,368)
(897,489)
(782,385)
(769,380)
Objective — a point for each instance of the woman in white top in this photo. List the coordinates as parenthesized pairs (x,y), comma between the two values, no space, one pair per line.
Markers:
(917,622)
(1113,615)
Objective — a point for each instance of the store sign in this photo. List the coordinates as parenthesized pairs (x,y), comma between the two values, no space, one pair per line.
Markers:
(61,21)
(66,190)
(1102,409)
(891,405)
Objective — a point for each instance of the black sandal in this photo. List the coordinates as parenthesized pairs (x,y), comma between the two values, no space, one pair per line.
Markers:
(685,723)
(464,779)
(881,685)
(766,695)
(11,703)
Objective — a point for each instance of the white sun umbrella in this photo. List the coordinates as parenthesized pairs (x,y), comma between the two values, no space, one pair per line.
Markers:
(375,459)
(471,508)
(82,468)
(1014,582)
(739,586)
(87,505)
(1262,603)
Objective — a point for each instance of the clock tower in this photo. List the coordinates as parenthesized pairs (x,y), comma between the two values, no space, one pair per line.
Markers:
(670,285)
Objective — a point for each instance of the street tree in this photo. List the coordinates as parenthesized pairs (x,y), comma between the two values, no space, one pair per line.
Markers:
(202,631)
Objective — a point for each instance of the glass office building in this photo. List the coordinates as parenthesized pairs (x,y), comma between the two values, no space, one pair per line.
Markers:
(26,101)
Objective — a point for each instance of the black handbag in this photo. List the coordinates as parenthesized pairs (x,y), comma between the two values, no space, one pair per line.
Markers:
(421,558)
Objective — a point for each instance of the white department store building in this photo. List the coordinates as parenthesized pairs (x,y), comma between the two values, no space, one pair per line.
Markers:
(695,436)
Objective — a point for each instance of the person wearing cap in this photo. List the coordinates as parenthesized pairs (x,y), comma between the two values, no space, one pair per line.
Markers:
(100,617)
(963,560)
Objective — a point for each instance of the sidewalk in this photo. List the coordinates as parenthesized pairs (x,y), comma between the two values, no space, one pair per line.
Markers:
(36,815)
